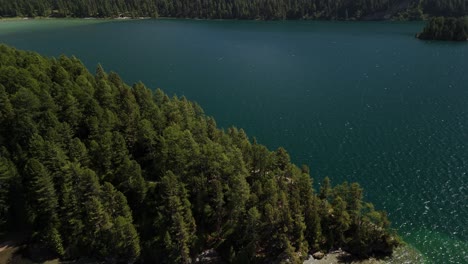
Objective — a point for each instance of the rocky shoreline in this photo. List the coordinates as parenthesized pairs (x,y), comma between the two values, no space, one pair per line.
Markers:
(401,255)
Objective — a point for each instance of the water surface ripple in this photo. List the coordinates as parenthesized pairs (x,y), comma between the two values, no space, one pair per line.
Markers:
(362,102)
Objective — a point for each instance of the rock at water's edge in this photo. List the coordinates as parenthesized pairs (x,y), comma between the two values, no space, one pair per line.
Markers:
(318,255)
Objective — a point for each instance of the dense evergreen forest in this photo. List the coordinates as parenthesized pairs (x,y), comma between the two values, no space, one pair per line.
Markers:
(449,28)
(237,9)
(90,166)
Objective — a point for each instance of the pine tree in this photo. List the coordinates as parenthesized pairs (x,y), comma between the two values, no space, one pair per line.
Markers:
(165,188)
(6,108)
(7,179)
(43,204)
(340,220)
(325,189)
(126,247)
(176,214)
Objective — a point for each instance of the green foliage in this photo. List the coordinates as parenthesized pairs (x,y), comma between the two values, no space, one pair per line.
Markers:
(175,220)
(455,8)
(124,174)
(7,180)
(42,198)
(234,9)
(52,240)
(445,28)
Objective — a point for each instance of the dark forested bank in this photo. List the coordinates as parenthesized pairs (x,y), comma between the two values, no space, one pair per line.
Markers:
(238,9)
(441,28)
(90,166)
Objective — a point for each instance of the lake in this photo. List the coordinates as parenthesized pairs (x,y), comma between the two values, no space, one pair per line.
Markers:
(356,101)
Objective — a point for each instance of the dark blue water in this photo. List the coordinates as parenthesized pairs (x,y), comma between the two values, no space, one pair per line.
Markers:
(362,102)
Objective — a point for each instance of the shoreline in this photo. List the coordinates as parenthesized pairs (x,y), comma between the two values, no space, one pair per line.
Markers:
(5,19)
(196,19)
(402,254)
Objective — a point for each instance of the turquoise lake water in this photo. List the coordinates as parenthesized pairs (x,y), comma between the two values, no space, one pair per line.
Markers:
(362,102)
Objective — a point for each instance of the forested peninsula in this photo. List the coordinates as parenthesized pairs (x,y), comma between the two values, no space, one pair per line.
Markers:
(91,167)
(441,28)
(238,9)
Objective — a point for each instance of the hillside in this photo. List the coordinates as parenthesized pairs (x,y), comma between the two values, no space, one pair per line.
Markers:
(91,167)
(238,9)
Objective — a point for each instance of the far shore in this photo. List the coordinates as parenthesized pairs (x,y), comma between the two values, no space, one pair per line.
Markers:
(185,18)
(74,18)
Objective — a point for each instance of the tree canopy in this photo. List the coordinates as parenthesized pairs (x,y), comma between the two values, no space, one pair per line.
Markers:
(445,28)
(237,9)
(92,167)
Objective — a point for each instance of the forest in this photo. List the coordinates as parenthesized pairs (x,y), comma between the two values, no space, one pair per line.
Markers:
(92,167)
(445,28)
(238,9)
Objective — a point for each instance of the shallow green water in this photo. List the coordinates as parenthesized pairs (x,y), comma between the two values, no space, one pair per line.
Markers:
(362,102)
